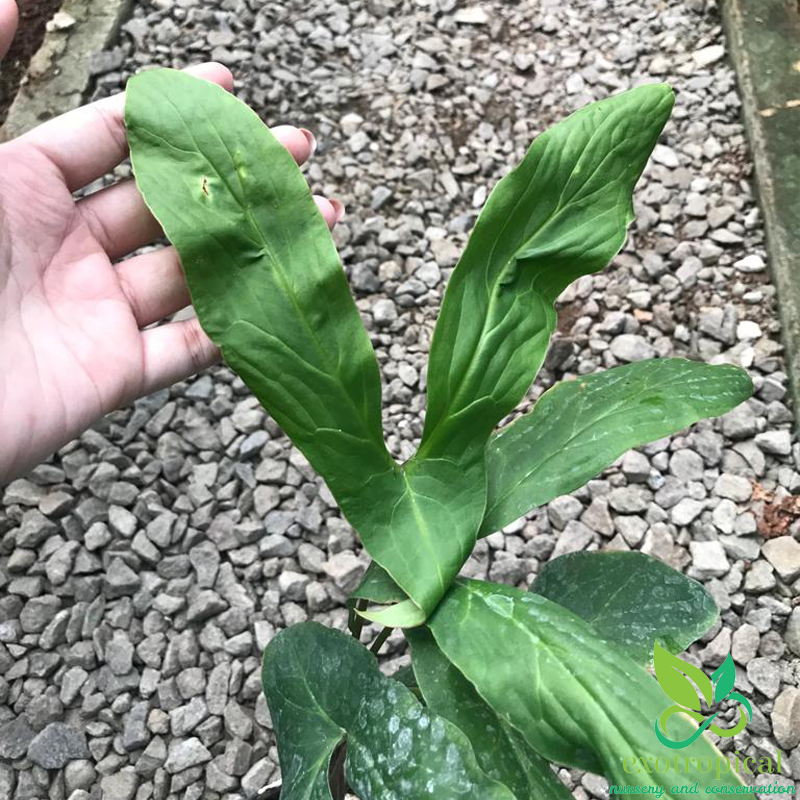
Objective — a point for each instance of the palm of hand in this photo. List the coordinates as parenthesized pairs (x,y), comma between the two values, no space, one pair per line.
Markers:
(72,348)
(75,324)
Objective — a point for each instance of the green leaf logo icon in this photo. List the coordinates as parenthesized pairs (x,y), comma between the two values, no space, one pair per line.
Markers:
(681,682)
(723,676)
(674,677)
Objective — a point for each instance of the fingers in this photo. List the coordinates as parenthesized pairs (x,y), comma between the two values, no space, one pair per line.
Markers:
(173,352)
(9,17)
(122,223)
(90,141)
(119,219)
(332,210)
(154,283)
(300,142)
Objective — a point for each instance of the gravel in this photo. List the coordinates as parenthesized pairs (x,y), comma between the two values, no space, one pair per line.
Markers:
(147,564)
(57,745)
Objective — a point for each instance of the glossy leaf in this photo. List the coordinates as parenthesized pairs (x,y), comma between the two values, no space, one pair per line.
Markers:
(630,599)
(577,699)
(502,752)
(562,213)
(674,676)
(322,688)
(259,260)
(581,426)
(723,677)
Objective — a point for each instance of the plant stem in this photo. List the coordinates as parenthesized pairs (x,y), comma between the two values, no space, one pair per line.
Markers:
(356,622)
(380,639)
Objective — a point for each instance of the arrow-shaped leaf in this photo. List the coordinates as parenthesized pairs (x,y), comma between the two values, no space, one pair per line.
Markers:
(324,688)
(269,289)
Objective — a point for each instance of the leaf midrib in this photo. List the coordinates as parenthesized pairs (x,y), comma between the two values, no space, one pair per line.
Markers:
(635,399)
(541,640)
(277,268)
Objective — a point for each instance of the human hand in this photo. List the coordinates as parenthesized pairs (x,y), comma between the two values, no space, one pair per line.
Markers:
(74,341)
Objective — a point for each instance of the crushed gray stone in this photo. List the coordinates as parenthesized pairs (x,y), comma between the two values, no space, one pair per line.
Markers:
(145,567)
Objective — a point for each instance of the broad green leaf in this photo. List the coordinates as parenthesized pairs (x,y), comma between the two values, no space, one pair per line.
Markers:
(630,599)
(501,751)
(673,676)
(562,213)
(322,688)
(577,699)
(581,426)
(724,676)
(263,272)
(269,289)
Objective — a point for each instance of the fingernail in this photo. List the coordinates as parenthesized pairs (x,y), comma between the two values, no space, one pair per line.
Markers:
(312,141)
(338,210)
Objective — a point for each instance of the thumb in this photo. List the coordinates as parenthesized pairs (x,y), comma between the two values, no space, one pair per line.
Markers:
(9,17)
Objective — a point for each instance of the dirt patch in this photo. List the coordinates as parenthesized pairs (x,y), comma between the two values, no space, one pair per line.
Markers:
(776,516)
(33,17)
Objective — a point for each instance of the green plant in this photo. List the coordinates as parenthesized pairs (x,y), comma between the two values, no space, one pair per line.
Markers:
(504,681)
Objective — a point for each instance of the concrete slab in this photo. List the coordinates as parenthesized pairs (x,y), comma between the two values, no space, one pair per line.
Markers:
(764,41)
(58,75)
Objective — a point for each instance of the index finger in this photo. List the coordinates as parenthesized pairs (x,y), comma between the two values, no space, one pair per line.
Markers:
(88,142)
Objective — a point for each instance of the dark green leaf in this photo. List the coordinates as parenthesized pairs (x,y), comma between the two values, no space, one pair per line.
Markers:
(576,698)
(630,599)
(562,213)
(323,687)
(724,676)
(501,751)
(581,426)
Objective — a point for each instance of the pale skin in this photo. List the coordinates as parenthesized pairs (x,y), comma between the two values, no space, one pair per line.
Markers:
(76,334)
